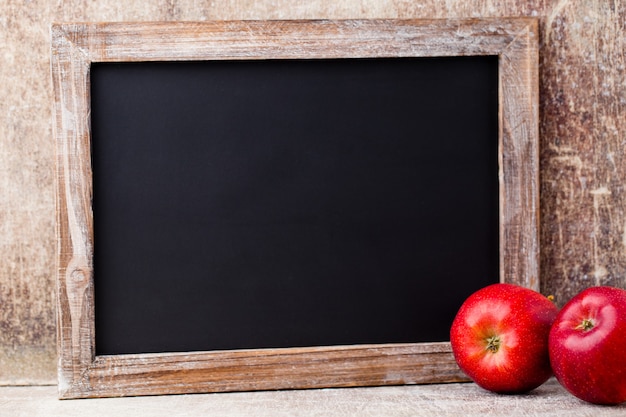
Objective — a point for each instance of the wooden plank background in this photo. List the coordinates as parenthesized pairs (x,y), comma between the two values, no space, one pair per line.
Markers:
(583,133)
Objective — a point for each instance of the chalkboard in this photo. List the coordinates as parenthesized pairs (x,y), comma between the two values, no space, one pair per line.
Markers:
(286,204)
(247,204)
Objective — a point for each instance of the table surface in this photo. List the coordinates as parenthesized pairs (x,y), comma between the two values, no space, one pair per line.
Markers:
(458,400)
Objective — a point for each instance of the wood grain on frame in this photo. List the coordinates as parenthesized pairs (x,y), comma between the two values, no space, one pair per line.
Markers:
(76,46)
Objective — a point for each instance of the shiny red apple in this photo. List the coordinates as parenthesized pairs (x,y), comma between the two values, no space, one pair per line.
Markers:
(499,338)
(587,345)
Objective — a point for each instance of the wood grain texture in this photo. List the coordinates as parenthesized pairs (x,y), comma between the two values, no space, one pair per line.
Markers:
(584,133)
(76,46)
(441,400)
(582,109)
(267,369)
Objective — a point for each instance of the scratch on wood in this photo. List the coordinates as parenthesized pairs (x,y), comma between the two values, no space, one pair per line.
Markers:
(624,240)
(602,221)
(602,191)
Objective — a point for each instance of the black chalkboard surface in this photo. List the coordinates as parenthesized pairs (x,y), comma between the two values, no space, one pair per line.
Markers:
(285,203)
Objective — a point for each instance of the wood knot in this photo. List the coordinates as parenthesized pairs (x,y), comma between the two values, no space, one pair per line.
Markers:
(77,275)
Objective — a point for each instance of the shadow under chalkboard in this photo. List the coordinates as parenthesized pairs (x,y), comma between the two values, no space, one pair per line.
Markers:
(285,203)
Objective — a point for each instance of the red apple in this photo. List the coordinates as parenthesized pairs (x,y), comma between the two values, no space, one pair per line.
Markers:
(587,345)
(499,338)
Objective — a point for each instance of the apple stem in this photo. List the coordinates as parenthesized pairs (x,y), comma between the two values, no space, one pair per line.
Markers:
(586,325)
(493,344)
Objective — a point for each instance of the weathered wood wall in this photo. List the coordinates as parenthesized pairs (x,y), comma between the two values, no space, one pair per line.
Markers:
(583,115)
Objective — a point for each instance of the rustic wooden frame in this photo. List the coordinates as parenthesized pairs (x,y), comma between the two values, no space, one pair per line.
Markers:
(75,46)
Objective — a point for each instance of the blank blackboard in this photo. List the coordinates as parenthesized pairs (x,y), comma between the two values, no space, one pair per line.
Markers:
(262,205)
(286,203)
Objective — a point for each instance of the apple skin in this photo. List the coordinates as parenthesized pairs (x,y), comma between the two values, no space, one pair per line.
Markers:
(517,321)
(587,345)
